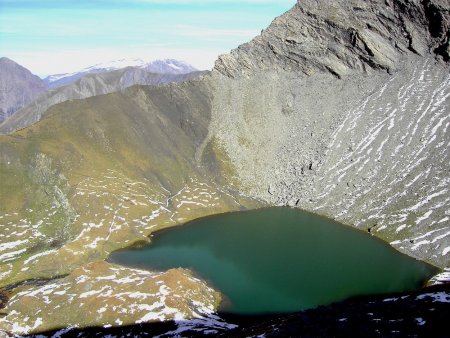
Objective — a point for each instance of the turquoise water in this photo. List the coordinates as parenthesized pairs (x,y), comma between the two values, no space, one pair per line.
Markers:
(280,260)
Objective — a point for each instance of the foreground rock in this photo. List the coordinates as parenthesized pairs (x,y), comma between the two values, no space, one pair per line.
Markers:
(420,314)
(102,294)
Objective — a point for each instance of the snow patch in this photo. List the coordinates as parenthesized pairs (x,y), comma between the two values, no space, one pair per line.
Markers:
(440,297)
(420,321)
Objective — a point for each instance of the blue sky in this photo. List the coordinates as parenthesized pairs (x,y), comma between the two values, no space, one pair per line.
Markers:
(57,36)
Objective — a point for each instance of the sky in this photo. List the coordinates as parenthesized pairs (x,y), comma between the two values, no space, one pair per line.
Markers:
(61,36)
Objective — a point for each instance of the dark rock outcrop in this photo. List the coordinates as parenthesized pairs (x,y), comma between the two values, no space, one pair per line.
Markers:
(340,36)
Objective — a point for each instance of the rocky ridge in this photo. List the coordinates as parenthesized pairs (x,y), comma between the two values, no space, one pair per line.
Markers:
(341,36)
(87,86)
(422,313)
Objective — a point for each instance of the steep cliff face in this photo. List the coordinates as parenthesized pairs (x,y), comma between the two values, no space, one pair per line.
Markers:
(341,36)
(18,87)
(343,108)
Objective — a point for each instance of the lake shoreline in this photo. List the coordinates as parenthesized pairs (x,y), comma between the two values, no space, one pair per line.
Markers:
(318,247)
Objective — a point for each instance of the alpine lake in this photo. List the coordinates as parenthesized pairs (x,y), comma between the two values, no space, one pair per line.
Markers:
(279,260)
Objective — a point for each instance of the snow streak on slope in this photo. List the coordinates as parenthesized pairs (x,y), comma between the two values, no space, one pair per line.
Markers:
(108,295)
(391,156)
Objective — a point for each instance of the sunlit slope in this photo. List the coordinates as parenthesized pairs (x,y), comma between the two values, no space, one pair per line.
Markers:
(99,174)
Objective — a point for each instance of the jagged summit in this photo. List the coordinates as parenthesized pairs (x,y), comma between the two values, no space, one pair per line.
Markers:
(340,35)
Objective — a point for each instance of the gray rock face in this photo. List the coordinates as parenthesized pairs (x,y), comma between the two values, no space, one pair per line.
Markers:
(88,86)
(341,36)
(18,87)
(343,108)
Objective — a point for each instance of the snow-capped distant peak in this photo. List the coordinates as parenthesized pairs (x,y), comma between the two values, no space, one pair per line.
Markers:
(167,66)
(56,77)
(115,64)
(170,66)
(157,66)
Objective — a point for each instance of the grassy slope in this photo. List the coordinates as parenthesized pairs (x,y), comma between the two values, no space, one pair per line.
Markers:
(99,174)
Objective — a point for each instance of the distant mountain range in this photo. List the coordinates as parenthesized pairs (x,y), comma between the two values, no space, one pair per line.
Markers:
(87,86)
(167,66)
(18,87)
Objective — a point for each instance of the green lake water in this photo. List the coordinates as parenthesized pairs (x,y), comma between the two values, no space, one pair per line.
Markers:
(279,260)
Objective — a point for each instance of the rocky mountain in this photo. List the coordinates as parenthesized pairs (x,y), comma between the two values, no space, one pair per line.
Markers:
(167,66)
(355,35)
(354,125)
(87,86)
(339,107)
(18,87)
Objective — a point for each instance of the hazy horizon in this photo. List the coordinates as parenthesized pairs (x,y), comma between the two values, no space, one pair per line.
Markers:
(65,36)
